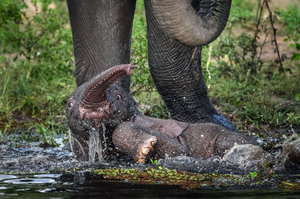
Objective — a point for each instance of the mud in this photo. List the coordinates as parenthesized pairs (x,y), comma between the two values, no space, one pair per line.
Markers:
(241,159)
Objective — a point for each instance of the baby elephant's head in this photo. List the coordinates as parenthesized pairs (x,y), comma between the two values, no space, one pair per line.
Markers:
(99,101)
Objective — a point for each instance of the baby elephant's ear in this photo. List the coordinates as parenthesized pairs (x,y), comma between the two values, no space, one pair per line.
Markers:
(94,95)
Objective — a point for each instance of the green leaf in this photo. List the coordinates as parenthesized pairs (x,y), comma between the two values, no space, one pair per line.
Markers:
(298,46)
(253,175)
(297,97)
(295,57)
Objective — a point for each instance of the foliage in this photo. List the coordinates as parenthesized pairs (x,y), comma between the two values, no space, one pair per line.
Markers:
(291,20)
(165,176)
(241,11)
(36,62)
(139,51)
(240,55)
(248,86)
(153,162)
(253,175)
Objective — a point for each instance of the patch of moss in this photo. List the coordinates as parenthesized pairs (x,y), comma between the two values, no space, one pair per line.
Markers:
(183,179)
(290,186)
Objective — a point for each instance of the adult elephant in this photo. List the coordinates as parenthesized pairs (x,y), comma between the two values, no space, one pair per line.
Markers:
(176,31)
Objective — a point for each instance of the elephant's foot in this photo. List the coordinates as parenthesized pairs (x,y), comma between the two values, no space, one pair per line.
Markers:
(221,120)
(134,141)
(145,149)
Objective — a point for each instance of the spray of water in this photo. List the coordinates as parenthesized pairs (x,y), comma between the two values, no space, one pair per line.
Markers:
(104,137)
(95,147)
(74,141)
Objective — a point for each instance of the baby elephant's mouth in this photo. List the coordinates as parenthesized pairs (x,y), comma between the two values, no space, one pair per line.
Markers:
(94,105)
(94,94)
(96,113)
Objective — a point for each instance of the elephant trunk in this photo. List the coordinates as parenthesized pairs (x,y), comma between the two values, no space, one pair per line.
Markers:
(94,95)
(192,22)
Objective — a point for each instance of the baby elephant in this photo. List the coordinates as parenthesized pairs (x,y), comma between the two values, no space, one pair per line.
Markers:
(102,115)
(146,137)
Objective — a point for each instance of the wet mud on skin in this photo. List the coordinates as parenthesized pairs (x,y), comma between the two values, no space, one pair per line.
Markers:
(32,171)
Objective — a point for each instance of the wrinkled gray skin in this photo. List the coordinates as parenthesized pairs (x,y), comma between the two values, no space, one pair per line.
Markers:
(99,104)
(176,31)
(145,138)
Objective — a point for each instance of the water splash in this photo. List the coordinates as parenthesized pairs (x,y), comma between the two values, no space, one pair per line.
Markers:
(104,137)
(71,140)
(95,147)
(96,144)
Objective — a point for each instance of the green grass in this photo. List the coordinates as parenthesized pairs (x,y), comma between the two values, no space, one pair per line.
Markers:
(150,103)
(259,102)
(253,92)
(36,65)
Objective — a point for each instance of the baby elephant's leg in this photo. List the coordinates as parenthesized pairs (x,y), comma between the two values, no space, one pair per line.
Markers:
(138,141)
(207,139)
(133,141)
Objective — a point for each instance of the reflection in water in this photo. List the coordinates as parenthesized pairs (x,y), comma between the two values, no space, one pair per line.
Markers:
(27,186)
(31,181)
(55,186)
(6,177)
(47,175)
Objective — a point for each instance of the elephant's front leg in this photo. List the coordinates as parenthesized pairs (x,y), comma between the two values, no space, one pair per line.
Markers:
(175,66)
(101,35)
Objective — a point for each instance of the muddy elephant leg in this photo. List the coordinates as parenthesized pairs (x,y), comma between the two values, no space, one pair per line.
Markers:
(133,141)
(176,70)
(101,35)
(207,139)
(141,143)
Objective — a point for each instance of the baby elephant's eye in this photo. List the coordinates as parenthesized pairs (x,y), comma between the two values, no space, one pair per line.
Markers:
(70,104)
(118,97)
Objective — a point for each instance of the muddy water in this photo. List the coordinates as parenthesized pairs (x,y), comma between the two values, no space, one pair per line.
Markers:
(29,171)
(53,186)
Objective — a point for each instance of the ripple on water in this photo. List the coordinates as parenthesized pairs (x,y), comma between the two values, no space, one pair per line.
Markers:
(47,175)
(31,181)
(46,190)
(6,177)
